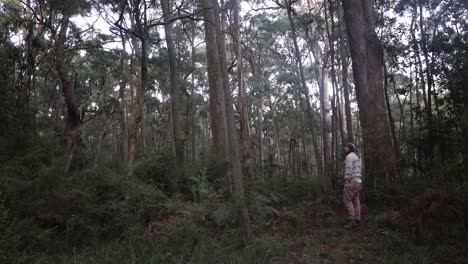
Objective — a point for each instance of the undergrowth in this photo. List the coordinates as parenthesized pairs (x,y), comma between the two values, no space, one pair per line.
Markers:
(181,214)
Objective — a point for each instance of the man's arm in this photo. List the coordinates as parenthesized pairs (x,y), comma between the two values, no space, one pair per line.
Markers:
(356,168)
(348,167)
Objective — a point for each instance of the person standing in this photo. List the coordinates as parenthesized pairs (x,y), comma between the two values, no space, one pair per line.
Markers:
(352,186)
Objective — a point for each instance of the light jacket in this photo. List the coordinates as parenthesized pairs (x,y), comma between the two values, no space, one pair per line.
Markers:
(352,165)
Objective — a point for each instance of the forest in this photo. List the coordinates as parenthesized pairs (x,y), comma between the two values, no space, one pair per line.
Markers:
(218,131)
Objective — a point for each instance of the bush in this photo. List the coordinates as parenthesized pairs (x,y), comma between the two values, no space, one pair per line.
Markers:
(144,199)
(299,189)
(263,206)
(193,180)
(159,170)
(224,214)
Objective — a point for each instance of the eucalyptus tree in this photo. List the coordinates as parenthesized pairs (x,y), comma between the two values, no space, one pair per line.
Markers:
(233,144)
(55,16)
(216,91)
(175,88)
(133,20)
(367,58)
(305,97)
(344,59)
(13,93)
(247,153)
(415,38)
(263,53)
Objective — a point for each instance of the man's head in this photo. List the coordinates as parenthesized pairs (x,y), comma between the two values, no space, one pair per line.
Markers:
(349,148)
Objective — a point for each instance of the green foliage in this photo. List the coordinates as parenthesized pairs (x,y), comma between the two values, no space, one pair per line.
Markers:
(194,180)
(73,7)
(385,218)
(143,199)
(159,170)
(46,210)
(201,188)
(401,250)
(263,206)
(298,188)
(224,214)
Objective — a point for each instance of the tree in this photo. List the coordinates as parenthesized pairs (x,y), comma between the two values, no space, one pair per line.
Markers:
(235,158)
(216,91)
(367,60)
(325,181)
(59,35)
(72,123)
(247,153)
(175,89)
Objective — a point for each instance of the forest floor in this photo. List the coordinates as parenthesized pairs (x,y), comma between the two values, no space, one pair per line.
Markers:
(317,236)
(325,240)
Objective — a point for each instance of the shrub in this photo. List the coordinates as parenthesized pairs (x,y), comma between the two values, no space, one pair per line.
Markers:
(159,170)
(263,206)
(428,212)
(144,199)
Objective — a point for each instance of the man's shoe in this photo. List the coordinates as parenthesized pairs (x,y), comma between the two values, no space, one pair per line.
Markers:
(351,224)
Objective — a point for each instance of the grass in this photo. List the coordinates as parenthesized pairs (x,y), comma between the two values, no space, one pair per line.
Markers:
(304,232)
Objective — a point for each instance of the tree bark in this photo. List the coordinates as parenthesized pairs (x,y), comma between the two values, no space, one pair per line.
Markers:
(175,89)
(123,106)
(325,183)
(261,157)
(236,169)
(137,111)
(192,93)
(390,116)
(344,72)
(216,92)
(244,118)
(30,62)
(276,136)
(367,59)
(464,122)
(73,119)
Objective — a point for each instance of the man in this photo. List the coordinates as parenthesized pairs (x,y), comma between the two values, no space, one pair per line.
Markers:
(353,186)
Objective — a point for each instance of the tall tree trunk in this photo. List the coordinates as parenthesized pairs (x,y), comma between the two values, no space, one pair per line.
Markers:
(325,183)
(464,115)
(422,148)
(427,71)
(335,116)
(432,139)
(30,61)
(138,107)
(216,92)
(390,116)
(276,134)
(235,154)
(344,72)
(141,54)
(244,118)
(192,93)
(261,157)
(367,58)
(411,152)
(418,121)
(123,105)
(143,130)
(175,89)
(102,135)
(464,122)
(72,123)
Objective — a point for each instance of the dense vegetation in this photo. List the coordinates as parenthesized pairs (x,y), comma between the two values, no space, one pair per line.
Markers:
(212,131)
